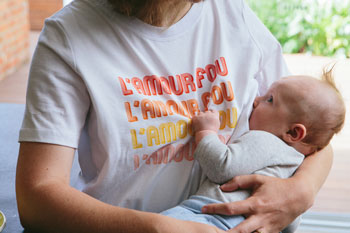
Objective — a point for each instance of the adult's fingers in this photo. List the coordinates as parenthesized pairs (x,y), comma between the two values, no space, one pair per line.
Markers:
(233,208)
(243,182)
(249,225)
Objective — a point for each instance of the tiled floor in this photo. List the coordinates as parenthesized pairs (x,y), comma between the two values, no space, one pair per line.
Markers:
(335,194)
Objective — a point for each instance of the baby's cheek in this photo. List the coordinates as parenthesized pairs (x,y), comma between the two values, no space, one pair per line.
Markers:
(252,123)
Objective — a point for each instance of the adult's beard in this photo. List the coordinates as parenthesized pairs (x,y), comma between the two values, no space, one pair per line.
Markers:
(149,11)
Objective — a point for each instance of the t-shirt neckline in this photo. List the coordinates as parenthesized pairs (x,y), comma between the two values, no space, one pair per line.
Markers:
(158,33)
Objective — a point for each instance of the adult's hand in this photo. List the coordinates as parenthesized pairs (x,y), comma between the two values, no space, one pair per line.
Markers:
(275,202)
(270,208)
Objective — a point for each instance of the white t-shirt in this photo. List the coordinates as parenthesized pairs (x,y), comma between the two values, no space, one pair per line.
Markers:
(132,88)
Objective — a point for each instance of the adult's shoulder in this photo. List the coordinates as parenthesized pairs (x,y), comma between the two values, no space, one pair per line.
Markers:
(260,34)
(75,11)
(239,17)
(80,15)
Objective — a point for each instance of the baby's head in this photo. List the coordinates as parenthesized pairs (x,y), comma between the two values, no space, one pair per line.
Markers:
(303,111)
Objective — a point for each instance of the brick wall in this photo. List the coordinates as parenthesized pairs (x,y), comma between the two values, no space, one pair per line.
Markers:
(39,10)
(14,35)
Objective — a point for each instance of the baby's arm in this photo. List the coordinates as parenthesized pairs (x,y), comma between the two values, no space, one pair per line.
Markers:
(205,123)
(221,162)
(218,161)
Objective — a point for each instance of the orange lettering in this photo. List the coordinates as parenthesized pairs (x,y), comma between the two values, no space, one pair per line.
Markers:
(138,85)
(223,71)
(187,80)
(160,108)
(183,109)
(211,72)
(199,77)
(165,85)
(178,91)
(193,107)
(124,88)
(190,155)
(228,97)
(152,81)
(185,151)
(168,153)
(147,106)
(216,95)
(179,156)
(153,156)
(205,100)
(131,118)
(172,103)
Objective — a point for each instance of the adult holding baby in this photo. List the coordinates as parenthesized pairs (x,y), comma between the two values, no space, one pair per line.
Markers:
(130,74)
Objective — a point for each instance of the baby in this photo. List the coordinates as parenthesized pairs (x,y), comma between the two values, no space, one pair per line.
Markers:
(296,117)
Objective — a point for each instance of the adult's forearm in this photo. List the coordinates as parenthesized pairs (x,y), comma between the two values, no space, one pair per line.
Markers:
(57,207)
(314,171)
(64,209)
(47,203)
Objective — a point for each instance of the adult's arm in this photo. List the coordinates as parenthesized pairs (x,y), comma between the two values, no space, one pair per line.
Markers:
(47,203)
(276,202)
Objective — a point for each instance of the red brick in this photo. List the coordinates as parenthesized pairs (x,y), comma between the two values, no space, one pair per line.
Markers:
(39,10)
(14,35)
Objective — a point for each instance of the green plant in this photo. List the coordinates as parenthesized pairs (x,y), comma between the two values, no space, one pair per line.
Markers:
(319,27)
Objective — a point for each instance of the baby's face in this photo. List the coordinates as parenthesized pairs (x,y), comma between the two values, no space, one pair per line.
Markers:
(271,112)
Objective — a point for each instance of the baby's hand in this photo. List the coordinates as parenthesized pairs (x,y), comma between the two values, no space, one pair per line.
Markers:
(208,120)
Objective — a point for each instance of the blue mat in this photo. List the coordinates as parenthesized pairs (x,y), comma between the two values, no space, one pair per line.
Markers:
(11,116)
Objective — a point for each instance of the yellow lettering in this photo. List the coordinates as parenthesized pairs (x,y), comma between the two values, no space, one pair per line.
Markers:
(152,133)
(181,129)
(135,144)
(167,129)
(222,117)
(234,118)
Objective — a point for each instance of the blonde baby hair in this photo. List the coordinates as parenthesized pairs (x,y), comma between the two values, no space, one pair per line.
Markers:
(328,121)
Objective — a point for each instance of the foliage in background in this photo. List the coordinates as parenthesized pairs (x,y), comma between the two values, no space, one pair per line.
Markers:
(320,27)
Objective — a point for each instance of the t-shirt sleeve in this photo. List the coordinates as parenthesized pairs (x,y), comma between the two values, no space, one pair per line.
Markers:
(57,99)
(272,65)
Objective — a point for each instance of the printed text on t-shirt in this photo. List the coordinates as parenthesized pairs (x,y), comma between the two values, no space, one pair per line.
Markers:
(166,133)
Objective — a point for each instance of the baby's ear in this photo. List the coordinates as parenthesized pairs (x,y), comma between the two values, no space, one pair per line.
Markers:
(296,133)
